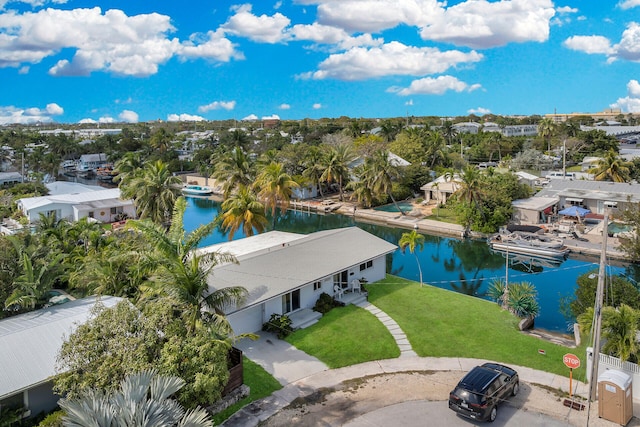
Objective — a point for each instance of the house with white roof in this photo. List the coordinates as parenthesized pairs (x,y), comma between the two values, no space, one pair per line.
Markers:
(104,205)
(91,162)
(285,273)
(29,347)
(10,178)
(441,188)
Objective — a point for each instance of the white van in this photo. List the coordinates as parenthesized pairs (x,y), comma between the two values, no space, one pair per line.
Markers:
(559,175)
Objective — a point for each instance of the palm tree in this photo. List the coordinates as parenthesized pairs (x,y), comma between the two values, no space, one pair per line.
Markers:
(336,165)
(127,167)
(546,129)
(382,172)
(434,147)
(275,186)
(361,188)
(243,210)
(313,168)
(612,168)
(154,192)
(32,286)
(143,399)
(233,169)
(413,241)
(182,272)
(619,328)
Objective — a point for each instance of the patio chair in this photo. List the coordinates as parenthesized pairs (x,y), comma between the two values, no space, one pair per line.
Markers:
(355,286)
(338,291)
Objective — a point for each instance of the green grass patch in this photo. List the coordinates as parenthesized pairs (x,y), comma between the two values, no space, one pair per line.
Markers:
(441,323)
(261,383)
(346,336)
(444,214)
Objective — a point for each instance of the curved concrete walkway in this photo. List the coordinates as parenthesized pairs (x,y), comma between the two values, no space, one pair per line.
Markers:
(396,332)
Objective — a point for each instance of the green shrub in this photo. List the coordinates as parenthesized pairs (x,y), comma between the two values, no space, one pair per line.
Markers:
(279,324)
(325,303)
(52,420)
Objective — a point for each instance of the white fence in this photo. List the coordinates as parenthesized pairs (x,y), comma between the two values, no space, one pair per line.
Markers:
(610,362)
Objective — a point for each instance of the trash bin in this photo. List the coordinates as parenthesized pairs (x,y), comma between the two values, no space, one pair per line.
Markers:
(615,397)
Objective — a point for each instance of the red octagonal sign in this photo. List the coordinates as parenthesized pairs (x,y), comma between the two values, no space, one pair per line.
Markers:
(571,361)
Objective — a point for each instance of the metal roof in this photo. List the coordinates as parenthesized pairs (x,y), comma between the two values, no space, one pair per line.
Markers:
(594,190)
(271,272)
(30,342)
(535,203)
(71,198)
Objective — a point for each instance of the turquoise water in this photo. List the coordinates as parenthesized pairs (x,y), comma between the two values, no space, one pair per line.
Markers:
(465,266)
(616,227)
(404,206)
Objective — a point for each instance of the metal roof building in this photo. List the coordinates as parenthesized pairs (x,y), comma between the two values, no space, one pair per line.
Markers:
(29,346)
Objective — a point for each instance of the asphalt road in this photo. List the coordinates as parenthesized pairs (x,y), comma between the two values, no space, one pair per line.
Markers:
(427,413)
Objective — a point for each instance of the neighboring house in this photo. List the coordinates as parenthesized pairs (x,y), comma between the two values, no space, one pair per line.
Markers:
(285,273)
(441,189)
(103,205)
(304,192)
(511,130)
(467,127)
(593,195)
(529,179)
(92,162)
(534,210)
(10,178)
(29,347)
(590,162)
(394,159)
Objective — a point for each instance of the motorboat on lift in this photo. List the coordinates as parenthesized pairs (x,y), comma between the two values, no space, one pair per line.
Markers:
(521,242)
(197,190)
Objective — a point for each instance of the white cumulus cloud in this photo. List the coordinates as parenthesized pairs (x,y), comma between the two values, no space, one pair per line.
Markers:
(628,4)
(217,105)
(271,117)
(263,28)
(284,107)
(589,44)
(11,114)
(88,121)
(316,106)
(106,119)
(479,111)
(128,116)
(250,118)
(482,24)
(213,45)
(392,58)
(184,118)
(631,102)
(437,86)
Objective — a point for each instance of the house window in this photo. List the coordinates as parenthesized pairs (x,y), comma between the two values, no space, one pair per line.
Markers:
(317,286)
(291,301)
(90,215)
(366,265)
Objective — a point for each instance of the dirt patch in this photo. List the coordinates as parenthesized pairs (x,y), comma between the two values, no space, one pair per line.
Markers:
(357,397)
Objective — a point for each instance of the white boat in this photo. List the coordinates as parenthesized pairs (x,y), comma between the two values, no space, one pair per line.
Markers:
(529,244)
(197,190)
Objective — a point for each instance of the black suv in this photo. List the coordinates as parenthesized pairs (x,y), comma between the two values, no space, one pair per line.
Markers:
(480,392)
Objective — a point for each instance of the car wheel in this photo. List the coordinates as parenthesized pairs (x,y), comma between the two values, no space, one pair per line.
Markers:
(516,389)
(493,414)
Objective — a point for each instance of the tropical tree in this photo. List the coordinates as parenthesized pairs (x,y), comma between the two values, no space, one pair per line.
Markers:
(182,273)
(413,241)
(519,298)
(336,165)
(382,172)
(154,192)
(612,168)
(313,168)
(32,286)
(127,167)
(546,130)
(619,330)
(143,398)
(242,210)
(275,187)
(233,169)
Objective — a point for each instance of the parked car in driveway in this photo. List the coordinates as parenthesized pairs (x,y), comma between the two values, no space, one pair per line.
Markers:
(482,390)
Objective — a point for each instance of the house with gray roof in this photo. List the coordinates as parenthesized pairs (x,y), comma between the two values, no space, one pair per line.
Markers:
(104,205)
(285,273)
(29,347)
(559,194)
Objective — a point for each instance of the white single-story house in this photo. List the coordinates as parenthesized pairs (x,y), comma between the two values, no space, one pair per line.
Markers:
(10,178)
(29,347)
(285,273)
(441,188)
(589,162)
(102,205)
(394,159)
(528,178)
(593,195)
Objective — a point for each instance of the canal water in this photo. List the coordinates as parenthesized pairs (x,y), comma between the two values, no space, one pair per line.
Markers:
(465,266)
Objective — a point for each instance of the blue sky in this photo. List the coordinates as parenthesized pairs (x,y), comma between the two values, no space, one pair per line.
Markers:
(73,61)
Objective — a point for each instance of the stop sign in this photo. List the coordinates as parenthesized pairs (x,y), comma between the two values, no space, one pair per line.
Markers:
(571,361)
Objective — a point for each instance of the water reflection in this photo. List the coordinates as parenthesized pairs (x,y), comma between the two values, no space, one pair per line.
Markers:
(464,266)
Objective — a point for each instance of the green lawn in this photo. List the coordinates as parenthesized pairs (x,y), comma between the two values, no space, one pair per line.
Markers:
(346,336)
(443,323)
(259,381)
(445,214)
